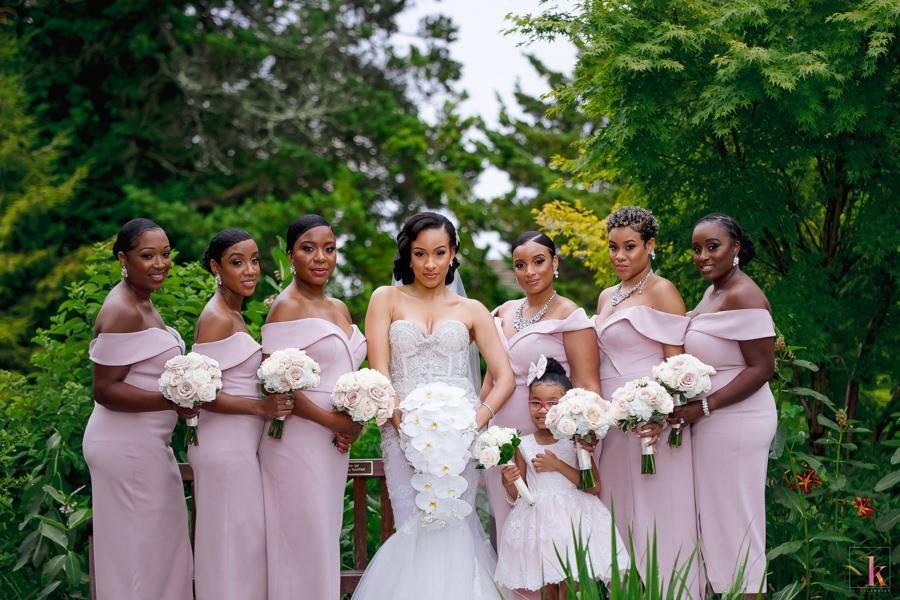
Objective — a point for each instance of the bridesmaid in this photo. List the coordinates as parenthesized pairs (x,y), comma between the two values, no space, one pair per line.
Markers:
(543,322)
(639,323)
(732,330)
(141,544)
(304,473)
(230,535)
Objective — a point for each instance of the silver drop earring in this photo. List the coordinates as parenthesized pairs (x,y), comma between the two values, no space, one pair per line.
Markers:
(736,261)
(123,271)
(218,279)
(293,270)
(555,274)
(653,255)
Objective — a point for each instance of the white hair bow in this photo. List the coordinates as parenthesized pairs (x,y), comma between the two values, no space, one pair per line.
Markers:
(536,371)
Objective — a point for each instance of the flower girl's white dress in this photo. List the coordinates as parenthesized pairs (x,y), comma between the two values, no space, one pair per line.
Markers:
(455,562)
(527,559)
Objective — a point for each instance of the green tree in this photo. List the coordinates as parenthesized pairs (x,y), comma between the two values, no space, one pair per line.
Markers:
(207,115)
(33,263)
(784,115)
(527,147)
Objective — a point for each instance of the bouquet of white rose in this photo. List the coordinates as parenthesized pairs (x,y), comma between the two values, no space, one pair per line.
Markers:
(284,371)
(580,414)
(190,380)
(641,401)
(497,446)
(436,433)
(364,395)
(685,377)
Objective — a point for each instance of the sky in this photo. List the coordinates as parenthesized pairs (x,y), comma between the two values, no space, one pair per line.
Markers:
(492,64)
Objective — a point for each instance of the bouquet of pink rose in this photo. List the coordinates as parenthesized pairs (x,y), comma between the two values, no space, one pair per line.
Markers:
(497,446)
(364,395)
(641,401)
(190,380)
(284,371)
(580,414)
(685,377)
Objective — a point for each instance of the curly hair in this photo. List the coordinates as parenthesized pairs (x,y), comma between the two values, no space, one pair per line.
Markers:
(737,233)
(415,225)
(639,219)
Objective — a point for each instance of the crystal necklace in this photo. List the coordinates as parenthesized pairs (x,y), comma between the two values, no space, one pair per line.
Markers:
(520,322)
(619,296)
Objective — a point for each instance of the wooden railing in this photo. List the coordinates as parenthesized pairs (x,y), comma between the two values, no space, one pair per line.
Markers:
(359,471)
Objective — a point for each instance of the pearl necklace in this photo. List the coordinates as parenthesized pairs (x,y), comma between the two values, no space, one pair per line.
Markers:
(520,322)
(619,296)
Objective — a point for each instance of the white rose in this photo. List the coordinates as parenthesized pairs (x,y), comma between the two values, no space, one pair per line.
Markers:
(200,376)
(489,457)
(185,390)
(594,417)
(566,426)
(351,399)
(295,377)
(206,392)
(178,363)
(367,409)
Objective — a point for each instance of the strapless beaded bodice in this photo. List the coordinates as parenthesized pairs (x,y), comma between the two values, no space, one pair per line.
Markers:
(417,359)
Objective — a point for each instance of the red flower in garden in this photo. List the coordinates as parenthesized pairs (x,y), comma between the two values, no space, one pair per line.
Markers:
(806,481)
(863,507)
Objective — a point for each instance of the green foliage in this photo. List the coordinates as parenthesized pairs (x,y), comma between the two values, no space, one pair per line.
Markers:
(782,114)
(44,505)
(30,191)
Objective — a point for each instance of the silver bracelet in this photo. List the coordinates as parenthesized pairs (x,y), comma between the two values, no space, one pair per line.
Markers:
(704,404)
(487,406)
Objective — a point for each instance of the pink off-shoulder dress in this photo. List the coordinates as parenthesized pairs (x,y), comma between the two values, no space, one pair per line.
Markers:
(142,550)
(631,344)
(526,346)
(731,450)
(230,535)
(303,473)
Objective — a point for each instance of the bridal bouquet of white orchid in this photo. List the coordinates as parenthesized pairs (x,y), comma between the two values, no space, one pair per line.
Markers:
(637,402)
(580,415)
(284,371)
(685,377)
(190,380)
(497,446)
(437,429)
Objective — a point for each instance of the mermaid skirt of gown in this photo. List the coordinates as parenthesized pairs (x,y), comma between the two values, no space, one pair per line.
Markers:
(454,562)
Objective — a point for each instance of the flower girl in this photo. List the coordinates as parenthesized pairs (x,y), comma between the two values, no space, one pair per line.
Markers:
(532,535)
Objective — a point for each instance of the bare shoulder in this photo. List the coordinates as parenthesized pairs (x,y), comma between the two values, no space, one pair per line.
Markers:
(341,307)
(666,296)
(286,307)
(507,307)
(475,309)
(385,293)
(745,294)
(118,316)
(605,296)
(566,307)
(213,326)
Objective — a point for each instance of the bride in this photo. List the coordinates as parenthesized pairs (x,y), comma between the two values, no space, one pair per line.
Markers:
(420,333)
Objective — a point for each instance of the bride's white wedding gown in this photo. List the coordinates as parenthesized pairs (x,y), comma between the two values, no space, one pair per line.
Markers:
(455,562)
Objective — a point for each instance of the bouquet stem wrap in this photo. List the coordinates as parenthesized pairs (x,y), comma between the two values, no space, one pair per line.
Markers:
(675,436)
(586,475)
(190,436)
(524,493)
